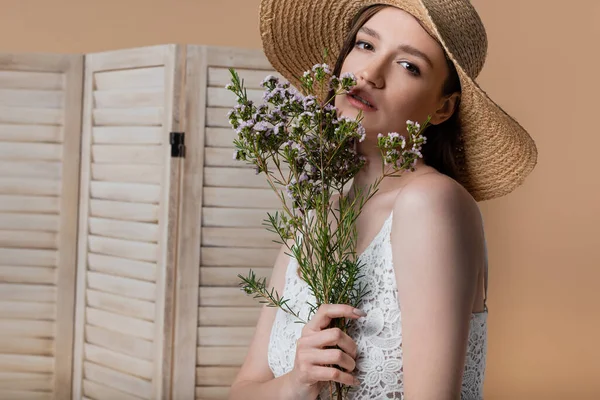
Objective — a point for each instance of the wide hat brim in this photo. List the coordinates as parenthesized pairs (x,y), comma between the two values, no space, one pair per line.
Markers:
(498,152)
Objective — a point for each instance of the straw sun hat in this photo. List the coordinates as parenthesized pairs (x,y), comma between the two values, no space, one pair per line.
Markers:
(498,152)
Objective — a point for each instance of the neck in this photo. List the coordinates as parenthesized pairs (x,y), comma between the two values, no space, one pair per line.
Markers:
(372,171)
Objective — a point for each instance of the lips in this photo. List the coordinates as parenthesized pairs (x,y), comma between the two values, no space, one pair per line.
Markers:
(363,97)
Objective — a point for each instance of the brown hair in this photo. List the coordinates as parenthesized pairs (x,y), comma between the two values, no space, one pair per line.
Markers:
(443,150)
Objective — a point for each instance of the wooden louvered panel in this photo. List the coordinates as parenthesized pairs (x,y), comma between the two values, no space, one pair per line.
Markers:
(234,205)
(40,130)
(129,186)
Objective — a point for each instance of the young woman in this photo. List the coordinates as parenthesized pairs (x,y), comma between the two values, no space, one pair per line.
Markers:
(421,332)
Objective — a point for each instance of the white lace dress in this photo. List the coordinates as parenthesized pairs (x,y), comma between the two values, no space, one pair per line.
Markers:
(378,335)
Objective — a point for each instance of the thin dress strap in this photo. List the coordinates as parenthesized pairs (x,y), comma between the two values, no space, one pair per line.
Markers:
(485,272)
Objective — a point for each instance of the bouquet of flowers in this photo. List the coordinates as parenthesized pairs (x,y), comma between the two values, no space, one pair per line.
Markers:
(308,156)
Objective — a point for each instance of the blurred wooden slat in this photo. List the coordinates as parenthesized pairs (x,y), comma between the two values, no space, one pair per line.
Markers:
(29,204)
(27,310)
(130,154)
(25,395)
(220,137)
(223,356)
(120,381)
(123,248)
(15,151)
(127,173)
(119,323)
(98,391)
(24,328)
(29,222)
(122,286)
(138,231)
(130,78)
(238,198)
(118,361)
(120,342)
(238,58)
(128,211)
(31,98)
(40,275)
(25,363)
(234,217)
(240,178)
(135,135)
(216,376)
(228,316)
(222,157)
(31,133)
(27,346)
(238,257)
(252,78)
(35,293)
(239,237)
(216,117)
(26,187)
(219,276)
(226,297)
(30,115)
(125,268)
(25,381)
(149,116)
(28,239)
(221,97)
(212,392)
(123,98)
(121,305)
(31,169)
(131,192)
(32,80)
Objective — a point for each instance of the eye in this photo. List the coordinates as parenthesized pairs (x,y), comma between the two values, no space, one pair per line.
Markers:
(363,45)
(411,68)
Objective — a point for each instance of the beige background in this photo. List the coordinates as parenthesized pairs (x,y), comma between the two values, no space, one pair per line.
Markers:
(544,242)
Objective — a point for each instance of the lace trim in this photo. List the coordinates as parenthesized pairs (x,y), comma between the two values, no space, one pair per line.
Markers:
(378,336)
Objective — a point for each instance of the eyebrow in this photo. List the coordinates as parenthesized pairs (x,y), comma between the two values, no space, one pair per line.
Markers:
(407,48)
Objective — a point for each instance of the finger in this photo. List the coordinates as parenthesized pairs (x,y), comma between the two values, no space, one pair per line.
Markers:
(330,337)
(326,357)
(332,374)
(327,312)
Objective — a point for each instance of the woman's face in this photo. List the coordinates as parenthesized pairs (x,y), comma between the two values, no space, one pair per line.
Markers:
(400,71)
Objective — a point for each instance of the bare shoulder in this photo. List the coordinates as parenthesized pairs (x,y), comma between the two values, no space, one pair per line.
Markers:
(438,196)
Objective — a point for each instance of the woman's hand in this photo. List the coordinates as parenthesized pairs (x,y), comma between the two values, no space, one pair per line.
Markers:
(311,370)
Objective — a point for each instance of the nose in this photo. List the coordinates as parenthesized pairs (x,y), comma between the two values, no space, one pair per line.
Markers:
(372,73)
